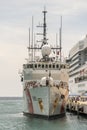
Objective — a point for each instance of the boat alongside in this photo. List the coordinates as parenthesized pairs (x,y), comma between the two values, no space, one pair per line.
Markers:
(45,81)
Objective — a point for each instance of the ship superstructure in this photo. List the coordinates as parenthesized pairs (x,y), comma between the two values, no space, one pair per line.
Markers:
(45,87)
(78,68)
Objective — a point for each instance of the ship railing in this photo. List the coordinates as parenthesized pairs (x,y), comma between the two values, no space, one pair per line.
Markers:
(34,84)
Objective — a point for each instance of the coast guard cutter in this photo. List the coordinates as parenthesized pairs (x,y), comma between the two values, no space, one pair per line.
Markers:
(44,79)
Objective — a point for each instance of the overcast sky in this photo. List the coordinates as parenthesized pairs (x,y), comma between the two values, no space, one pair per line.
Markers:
(15,20)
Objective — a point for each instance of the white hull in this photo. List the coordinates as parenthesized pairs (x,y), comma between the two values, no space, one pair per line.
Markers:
(45,101)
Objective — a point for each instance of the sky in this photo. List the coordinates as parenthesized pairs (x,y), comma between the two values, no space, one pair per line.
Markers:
(15,21)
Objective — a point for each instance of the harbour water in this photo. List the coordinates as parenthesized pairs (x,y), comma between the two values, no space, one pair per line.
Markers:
(11,118)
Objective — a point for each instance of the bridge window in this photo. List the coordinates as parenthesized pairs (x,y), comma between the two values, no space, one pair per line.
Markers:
(57,66)
(49,65)
(53,66)
(31,65)
(39,65)
(46,66)
(35,65)
(42,65)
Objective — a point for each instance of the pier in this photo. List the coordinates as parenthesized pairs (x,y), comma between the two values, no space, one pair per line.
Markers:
(77,105)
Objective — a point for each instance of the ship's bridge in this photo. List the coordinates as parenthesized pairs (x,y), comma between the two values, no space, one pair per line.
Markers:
(41,66)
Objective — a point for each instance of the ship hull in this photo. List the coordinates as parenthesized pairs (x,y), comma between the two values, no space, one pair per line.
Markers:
(45,102)
(47,117)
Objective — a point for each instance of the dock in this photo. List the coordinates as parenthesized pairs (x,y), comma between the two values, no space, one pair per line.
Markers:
(77,105)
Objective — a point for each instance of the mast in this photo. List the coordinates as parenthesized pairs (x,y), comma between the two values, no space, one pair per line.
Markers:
(44,28)
(44,40)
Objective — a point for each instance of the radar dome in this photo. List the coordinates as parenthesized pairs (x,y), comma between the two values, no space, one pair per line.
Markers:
(45,79)
(46,50)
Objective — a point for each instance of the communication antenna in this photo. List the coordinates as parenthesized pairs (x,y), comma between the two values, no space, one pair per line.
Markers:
(34,45)
(29,45)
(32,38)
(60,39)
(56,45)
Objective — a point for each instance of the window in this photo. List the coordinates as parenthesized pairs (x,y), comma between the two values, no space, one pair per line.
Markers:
(39,65)
(35,65)
(42,65)
(31,65)
(57,66)
(53,66)
(49,65)
(46,66)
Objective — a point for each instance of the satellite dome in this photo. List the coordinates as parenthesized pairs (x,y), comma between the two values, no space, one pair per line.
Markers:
(45,79)
(46,50)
